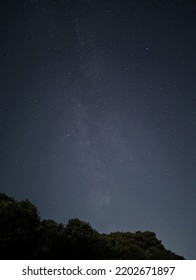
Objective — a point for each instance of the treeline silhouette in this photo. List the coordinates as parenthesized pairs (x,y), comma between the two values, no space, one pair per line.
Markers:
(24,235)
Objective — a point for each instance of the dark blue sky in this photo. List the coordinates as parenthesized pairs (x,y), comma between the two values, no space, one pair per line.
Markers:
(97,113)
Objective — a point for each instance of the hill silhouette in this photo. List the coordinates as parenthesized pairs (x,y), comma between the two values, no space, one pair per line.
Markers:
(24,235)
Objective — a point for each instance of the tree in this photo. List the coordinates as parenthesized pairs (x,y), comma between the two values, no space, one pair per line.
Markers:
(81,239)
(51,240)
(19,222)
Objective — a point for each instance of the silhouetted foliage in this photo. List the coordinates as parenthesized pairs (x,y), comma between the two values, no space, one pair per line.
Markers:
(23,235)
(19,224)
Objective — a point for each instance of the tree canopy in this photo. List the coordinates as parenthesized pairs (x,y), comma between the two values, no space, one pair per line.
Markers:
(24,235)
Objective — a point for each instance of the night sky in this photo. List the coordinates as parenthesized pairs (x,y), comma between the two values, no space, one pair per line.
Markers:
(97,113)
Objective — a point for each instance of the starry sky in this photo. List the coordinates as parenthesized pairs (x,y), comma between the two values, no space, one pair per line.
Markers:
(97,113)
